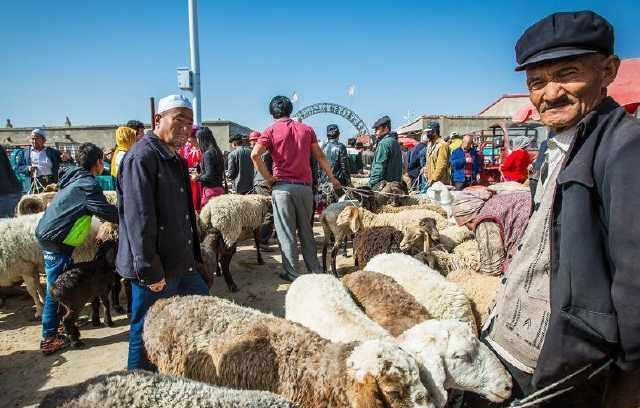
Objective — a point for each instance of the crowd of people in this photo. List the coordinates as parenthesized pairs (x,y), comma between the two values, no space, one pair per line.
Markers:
(573,274)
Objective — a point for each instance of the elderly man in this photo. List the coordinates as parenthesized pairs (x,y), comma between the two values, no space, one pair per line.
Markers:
(571,295)
(158,247)
(39,163)
(436,156)
(291,143)
(465,164)
(387,159)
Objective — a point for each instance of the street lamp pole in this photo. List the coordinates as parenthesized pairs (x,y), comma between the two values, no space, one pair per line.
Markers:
(194,49)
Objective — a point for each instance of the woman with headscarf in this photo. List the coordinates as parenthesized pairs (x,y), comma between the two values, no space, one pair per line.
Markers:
(211,166)
(125,138)
(514,167)
(192,154)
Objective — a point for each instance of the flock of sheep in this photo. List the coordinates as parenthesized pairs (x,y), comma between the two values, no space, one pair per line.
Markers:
(399,332)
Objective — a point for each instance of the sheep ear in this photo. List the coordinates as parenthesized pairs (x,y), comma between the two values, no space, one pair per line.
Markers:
(433,376)
(367,394)
(353,223)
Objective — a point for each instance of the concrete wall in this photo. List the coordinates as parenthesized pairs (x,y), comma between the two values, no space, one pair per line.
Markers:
(459,124)
(104,135)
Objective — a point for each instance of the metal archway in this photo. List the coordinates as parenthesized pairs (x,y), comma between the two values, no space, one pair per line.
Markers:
(334,108)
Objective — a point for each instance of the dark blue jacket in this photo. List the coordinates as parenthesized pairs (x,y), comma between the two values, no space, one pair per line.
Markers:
(457,161)
(158,232)
(415,162)
(338,158)
(79,195)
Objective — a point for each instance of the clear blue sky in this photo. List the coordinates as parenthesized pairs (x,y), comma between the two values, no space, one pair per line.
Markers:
(99,61)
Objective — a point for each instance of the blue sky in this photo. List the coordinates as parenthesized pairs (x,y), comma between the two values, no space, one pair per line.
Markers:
(99,61)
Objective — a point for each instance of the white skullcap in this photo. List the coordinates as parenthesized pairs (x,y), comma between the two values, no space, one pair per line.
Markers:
(173,101)
(424,137)
(40,132)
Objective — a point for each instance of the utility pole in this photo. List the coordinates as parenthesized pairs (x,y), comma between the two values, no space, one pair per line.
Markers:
(194,49)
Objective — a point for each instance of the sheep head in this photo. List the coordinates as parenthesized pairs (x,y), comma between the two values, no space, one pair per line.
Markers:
(385,376)
(351,216)
(421,237)
(107,232)
(469,364)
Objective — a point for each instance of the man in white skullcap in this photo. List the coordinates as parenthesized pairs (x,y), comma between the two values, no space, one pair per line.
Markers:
(159,248)
(38,163)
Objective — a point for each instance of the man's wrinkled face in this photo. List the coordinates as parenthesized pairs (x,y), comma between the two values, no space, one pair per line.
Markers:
(174,126)
(37,141)
(467,142)
(564,91)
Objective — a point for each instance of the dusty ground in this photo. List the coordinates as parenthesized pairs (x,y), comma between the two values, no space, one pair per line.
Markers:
(26,375)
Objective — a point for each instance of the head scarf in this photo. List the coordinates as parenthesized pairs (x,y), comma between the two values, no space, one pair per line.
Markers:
(125,138)
(466,208)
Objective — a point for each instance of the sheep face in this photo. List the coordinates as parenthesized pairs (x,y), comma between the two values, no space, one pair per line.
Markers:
(385,376)
(469,365)
(420,238)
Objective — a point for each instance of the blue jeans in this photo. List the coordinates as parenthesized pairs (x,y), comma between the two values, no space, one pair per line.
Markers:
(142,298)
(8,204)
(54,265)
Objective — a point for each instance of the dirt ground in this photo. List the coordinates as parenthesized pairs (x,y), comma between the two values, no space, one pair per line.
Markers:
(26,375)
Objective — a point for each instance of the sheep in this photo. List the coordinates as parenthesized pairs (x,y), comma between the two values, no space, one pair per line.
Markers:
(143,389)
(392,193)
(232,218)
(21,257)
(35,203)
(373,292)
(215,341)
(448,353)
(441,298)
(370,242)
(464,256)
(358,218)
(453,236)
(420,206)
(479,288)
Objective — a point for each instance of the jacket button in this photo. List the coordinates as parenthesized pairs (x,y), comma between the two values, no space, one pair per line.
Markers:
(161,228)
(186,216)
(181,189)
(189,242)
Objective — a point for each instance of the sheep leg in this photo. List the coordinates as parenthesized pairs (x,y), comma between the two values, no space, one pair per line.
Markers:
(36,292)
(107,309)
(115,294)
(334,255)
(95,312)
(225,260)
(324,256)
(70,328)
(256,238)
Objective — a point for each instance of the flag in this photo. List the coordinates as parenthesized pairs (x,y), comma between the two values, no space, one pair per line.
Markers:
(294,97)
(352,90)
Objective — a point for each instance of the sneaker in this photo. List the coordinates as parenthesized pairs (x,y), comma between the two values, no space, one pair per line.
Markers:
(50,345)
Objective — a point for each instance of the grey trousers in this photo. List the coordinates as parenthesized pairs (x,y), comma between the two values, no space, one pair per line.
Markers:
(292,210)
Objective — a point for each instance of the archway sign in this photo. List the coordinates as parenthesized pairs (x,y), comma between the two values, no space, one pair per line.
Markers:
(327,107)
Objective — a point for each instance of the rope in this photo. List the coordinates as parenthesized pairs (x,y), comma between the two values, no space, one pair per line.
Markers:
(539,396)
(359,190)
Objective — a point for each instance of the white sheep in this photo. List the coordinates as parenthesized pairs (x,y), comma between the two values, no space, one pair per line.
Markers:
(215,341)
(21,257)
(441,298)
(358,218)
(35,203)
(454,235)
(232,218)
(142,389)
(480,289)
(448,353)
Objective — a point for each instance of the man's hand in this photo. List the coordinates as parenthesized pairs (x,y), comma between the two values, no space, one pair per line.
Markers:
(158,286)
(271,181)
(336,183)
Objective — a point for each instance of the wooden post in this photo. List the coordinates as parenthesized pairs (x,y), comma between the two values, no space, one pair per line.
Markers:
(152,103)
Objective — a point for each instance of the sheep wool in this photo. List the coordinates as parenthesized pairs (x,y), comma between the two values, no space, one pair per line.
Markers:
(454,235)
(388,208)
(30,204)
(479,288)
(142,389)
(360,217)
(442,299)
(212,340)
(230,214)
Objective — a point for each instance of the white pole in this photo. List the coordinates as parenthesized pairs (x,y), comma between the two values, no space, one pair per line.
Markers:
(195,59)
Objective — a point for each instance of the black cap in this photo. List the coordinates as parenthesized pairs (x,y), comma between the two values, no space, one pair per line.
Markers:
(236,138)
(433,125)
(135,124)
(383,121)
(563,35)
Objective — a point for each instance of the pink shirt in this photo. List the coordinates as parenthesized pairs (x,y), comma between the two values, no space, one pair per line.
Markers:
(289,142)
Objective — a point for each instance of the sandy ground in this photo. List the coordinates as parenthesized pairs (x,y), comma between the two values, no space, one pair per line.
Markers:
(26,375)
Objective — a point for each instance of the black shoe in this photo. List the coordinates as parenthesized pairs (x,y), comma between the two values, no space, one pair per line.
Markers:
(288,277)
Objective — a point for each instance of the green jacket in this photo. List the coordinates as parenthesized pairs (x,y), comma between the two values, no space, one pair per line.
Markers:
(387,161)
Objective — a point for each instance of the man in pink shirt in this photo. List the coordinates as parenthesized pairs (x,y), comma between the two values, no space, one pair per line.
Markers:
(291,144)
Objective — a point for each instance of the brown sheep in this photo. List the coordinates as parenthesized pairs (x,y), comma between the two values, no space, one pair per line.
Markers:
(215,341)
(374,291)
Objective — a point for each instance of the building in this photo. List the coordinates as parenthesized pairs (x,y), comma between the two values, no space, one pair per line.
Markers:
(506,105)
(450,123)
(70,137)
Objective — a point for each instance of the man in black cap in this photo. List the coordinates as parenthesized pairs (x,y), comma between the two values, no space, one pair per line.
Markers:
(338,157)
(571,294)
(387,160)
(138,127)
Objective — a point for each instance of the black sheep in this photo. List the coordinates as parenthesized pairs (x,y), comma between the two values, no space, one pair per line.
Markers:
(373,241)
(84,282)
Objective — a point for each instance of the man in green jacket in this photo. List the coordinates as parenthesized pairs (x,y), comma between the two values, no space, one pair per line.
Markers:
(387,161)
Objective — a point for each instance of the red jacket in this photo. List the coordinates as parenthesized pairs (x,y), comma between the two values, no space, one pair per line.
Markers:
(515,166)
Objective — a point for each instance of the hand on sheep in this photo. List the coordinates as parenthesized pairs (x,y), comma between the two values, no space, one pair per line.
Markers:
(336,183)
(158,286)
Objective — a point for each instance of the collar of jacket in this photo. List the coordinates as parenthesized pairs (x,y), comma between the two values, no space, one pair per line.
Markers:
(579,161)
(159,146)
